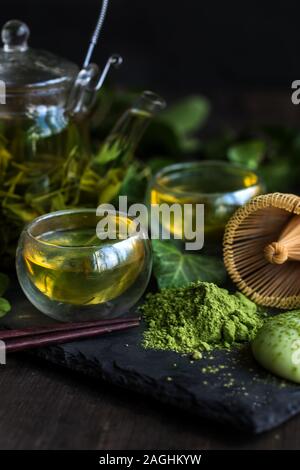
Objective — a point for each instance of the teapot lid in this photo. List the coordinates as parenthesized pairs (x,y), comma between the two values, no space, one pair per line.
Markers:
(23,67)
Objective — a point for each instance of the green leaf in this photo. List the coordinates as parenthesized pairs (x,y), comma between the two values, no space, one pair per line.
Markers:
(4,283)
(21,212)
(108,153)
(160,139)
(172,268)
(249,154)
(216,148)
(190,144)
(156,164)
(4,307)
(135,183)
(188,115)
(109,187)
(279,176)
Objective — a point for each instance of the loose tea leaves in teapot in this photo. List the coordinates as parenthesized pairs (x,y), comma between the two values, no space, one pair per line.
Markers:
(41,150)
(46,161)
(102,178)
(44,135)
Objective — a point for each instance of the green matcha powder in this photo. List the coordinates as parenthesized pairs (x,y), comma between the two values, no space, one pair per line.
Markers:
(199,317)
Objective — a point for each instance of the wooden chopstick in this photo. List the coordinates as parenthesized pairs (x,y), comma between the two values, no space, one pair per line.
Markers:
(19,333)
(46,339)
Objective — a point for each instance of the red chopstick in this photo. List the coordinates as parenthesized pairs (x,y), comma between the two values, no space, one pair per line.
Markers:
(19,333)
(22,343)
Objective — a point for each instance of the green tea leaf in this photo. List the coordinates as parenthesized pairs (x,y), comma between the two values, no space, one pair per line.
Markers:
(4,307)
(109,152)
(172,268)
(188,115)
(21,212)
(249,154)
(135,183)
(155,164)
(58,203)
(109,187)
(4,283)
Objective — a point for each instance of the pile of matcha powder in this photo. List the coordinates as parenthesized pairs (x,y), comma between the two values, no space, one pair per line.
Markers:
(199,317)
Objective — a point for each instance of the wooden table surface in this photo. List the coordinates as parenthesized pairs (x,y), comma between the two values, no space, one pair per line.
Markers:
(42,407)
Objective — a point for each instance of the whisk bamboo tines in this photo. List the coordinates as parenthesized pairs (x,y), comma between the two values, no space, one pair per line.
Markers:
(262,250)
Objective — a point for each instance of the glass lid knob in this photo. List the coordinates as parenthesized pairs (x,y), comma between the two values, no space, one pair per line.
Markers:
(15,36)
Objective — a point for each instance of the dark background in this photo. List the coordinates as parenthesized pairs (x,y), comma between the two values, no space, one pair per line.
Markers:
(244,55)
(175,47)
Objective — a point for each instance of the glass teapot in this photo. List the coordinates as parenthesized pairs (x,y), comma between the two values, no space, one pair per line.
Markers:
(46,162)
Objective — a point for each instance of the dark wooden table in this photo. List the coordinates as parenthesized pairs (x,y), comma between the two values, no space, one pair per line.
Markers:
(42,407)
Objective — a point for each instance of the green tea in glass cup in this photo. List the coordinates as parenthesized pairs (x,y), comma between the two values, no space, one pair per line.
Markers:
(220,186)
(70,274)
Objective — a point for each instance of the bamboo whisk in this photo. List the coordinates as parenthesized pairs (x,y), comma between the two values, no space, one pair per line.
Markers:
(262,250)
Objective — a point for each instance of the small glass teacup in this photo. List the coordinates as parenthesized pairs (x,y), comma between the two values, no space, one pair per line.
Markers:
(69,274)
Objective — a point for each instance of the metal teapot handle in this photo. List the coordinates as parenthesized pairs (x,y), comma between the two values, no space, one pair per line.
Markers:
(95,36)
(114,60)
(88,81)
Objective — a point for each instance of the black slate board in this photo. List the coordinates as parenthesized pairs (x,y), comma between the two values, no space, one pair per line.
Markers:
(228,387)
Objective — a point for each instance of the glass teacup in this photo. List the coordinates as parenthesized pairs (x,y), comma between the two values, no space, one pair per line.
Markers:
(69,274)
(220,186)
